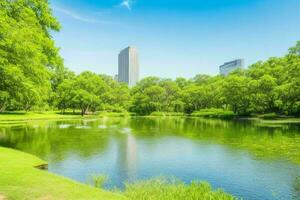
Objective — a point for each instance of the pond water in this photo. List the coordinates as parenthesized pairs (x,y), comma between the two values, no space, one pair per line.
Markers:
(246,159)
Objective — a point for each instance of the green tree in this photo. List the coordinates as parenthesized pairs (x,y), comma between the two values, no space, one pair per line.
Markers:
(27,51)
(263,94)
(236,94)
(295,50)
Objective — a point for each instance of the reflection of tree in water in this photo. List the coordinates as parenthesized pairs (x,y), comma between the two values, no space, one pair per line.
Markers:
(127,158)
(48,141)
(296,194)
(263,141)
(45,138)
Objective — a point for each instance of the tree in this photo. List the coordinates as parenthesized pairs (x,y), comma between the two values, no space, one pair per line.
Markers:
(4,97)
(263,94)
(27,49)
(295,50)
(236,94)
(64,95)
(85,100)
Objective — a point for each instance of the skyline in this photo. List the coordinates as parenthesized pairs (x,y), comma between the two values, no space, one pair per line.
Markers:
(93,33)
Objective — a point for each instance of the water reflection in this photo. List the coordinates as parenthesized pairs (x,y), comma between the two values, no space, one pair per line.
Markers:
(248,159)
(296,194)
(127,158)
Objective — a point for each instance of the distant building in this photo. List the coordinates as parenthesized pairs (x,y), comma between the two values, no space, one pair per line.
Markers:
(229,67)
(129,66)
(116,77)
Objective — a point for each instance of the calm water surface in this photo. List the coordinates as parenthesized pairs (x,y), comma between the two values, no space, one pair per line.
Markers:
(244,158)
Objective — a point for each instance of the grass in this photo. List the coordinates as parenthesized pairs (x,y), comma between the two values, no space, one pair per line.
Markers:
(166,114)
(164,189)
(23,116)
(19,117)
(214,113)
(19,179)
(279,121)
(269,116)
(113,114)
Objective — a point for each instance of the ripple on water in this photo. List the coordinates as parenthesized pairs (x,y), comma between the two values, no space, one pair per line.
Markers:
(102,126)
(126,130)
(82,127)
(64,126)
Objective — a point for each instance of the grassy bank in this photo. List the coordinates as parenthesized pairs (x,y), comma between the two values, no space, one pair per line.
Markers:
(167,114)
(23,116)
(14,117)
(214,113)
(21,180)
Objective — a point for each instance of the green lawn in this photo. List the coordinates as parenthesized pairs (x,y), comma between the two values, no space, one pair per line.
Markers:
(23,116)
(9,118)
(19,179)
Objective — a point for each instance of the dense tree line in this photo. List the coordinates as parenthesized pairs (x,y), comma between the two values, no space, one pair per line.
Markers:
(33,77)
(272,86)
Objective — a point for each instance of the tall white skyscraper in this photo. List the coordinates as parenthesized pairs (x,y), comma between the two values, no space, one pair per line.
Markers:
(129,71)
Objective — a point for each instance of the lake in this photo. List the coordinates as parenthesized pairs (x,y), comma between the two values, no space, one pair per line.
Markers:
(248,159)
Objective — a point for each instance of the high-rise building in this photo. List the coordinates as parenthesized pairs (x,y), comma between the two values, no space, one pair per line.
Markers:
(116,77)
(229,67)
(129,66)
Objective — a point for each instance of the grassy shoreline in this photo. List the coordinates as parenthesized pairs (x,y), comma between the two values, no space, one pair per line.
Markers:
(19,117)
(227,116)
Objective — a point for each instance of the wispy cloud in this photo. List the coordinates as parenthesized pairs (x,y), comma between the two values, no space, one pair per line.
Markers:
(126,4)
(79,17)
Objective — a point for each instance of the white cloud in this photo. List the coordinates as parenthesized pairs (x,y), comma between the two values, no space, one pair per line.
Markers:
(79,17)
(126,4)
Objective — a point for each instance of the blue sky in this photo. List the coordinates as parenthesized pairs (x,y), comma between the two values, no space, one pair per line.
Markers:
(175,38)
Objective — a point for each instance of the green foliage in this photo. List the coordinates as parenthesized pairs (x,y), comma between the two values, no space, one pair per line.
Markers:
(91,92)
(269,116)
(167,114)
(27,52)
(214,113)
(272,86)
(164,189)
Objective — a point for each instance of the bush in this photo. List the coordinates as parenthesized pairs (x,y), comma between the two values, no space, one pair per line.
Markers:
(269,116)
(214,113)
(163,189)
